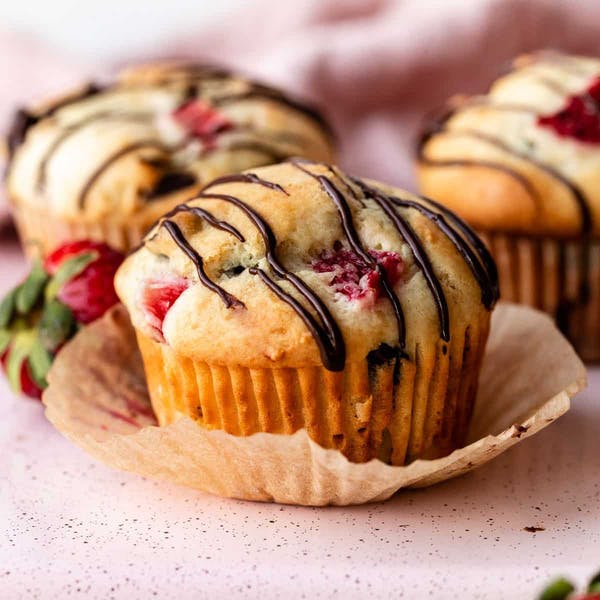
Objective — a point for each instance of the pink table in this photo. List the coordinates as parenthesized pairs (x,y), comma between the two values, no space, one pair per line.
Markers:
(74,528)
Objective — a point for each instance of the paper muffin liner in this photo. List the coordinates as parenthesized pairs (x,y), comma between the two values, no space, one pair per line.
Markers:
(391,409)
(41,232)
(560,277)
(98,398)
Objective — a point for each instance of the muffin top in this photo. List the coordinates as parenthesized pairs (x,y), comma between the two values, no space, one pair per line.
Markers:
(298,264)
(525,158)
(159,131)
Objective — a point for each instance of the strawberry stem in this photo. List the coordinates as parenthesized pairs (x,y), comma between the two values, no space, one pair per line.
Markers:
(56,325)
(29,292)
(40,361)
(68,270)
(7,308)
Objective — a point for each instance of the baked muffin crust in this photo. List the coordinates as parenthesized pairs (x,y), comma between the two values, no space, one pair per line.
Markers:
(268,259)
(504,162)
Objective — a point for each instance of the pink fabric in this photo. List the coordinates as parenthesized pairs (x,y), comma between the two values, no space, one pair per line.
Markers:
(376,66)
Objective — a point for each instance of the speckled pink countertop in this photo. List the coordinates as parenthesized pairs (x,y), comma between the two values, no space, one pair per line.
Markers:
(72,528)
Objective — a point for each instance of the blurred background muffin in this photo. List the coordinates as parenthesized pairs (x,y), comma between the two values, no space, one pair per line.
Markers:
(522,165)
(103,162)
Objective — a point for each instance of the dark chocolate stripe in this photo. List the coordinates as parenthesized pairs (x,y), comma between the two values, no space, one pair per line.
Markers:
(488,279)
(484,272)
(245,178)
(134,147)
(266,93)
(326,332)
(258,146)
(169,182)
(559,60)
(484,164)
(421,259)
(175,232)
(208,217)
(436,125)
(325,329)
(579,197)
(345,214)
(71,130)
(24,120)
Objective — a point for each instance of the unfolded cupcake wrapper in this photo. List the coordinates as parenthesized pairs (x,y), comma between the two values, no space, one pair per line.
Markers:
(98,398)
(41,232)
(560,277)
(391,409)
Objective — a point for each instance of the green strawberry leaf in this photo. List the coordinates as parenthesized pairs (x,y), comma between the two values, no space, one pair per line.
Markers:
(68,270)
(557,590)
(7,308)
(594,585)
(56,325)
(21,346)
(40,361)
(4,340)
(29,292)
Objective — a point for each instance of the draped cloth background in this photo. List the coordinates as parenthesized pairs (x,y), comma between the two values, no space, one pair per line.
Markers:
(375,66)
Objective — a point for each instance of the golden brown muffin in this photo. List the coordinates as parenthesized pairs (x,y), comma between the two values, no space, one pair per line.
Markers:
(522,165)
(296,296)
(106,161)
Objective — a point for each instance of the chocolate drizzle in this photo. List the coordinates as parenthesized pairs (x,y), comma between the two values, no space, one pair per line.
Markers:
(108,162)
(577,194)
(170,182)
(347,223)
(471,248)
(321,323)
(192,77)
(246,178)
(175,232)
(421,259)
(264,92)
(208,217)
(75,128)
(23,119)
(325,330)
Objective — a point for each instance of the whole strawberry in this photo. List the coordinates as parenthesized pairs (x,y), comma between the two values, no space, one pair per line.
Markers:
(72,287)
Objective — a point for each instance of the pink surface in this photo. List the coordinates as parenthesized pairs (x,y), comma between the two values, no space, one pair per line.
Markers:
(71,527)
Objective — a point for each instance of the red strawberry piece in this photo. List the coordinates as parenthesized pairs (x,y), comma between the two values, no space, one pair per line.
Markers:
(202,121)
(580,117)
(355,278)
(157,299)
(28,386)
(4,359)
(90,293)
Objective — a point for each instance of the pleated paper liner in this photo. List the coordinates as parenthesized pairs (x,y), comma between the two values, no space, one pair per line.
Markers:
(560,277)
(97,397)
(386,408)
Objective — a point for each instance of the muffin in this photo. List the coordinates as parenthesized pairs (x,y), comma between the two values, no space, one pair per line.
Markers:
(105,161)
(522,166)
(295,296)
